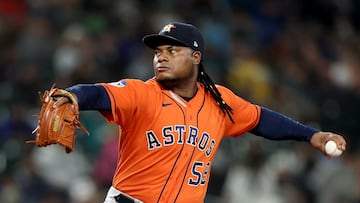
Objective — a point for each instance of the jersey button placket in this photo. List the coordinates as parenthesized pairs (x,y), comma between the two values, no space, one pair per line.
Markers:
(189,113)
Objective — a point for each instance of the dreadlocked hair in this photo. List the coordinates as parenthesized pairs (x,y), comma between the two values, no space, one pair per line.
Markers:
(205,79)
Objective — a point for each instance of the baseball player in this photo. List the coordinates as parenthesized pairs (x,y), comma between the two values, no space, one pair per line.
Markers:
(172,124)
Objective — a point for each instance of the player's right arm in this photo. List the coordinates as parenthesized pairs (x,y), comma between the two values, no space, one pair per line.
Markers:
(91,97)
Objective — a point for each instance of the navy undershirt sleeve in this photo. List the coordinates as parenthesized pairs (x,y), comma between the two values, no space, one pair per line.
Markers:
(275,126)
(91,97)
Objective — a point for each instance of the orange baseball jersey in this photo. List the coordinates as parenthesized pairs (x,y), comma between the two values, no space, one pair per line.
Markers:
(167,144)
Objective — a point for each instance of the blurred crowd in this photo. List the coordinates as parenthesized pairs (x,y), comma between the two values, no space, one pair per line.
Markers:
(299,57)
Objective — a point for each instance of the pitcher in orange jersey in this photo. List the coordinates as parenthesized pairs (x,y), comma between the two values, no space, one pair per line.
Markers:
(171,125)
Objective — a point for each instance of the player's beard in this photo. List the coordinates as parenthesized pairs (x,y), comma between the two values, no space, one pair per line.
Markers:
(169,83)
(172,82)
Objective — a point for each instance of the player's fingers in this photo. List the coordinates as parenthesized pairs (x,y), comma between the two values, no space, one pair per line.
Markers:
(340,140)
(341,143)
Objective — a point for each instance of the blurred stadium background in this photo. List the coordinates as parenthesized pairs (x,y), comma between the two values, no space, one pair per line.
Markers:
(299,57)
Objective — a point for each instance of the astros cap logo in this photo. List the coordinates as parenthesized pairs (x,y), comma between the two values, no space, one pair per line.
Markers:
(168,27)
(177,33)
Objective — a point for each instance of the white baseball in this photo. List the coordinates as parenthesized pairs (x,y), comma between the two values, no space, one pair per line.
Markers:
(331,149)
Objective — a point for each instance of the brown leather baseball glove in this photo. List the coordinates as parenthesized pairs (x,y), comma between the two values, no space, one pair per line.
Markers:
(57,124)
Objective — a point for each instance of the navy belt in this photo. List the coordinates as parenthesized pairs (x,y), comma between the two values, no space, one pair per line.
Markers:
(124,199)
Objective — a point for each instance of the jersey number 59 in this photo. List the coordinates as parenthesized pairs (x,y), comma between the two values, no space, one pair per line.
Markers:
(198,177)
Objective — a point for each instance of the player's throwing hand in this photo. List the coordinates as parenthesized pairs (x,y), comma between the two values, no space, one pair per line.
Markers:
(320,139)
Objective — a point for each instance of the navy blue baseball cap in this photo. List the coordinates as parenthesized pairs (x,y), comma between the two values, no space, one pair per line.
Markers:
(176,33)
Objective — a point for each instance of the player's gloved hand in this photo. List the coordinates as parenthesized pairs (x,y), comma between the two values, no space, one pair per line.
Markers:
(58,119)
(319,139)
(64,100)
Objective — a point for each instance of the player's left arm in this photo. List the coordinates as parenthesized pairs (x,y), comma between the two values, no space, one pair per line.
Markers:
(276,126)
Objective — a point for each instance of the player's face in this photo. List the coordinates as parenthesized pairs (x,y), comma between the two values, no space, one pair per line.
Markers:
(175,64)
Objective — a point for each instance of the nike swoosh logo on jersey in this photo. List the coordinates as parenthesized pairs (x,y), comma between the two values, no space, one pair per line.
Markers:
(166,104)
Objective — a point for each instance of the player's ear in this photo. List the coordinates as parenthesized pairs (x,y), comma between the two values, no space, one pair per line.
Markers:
(196,57)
